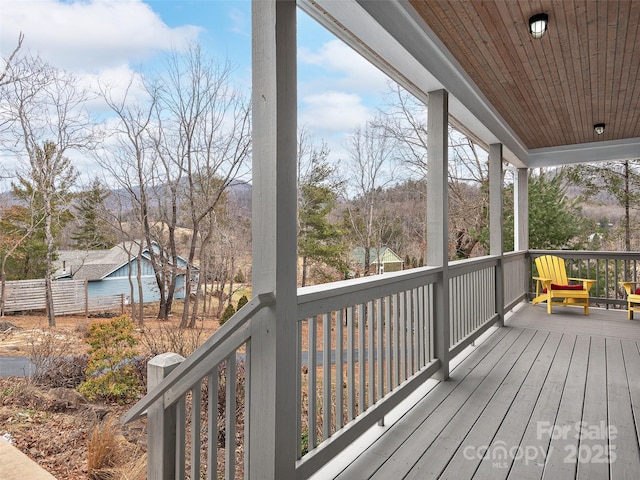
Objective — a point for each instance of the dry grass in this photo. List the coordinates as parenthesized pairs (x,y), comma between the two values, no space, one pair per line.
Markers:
(105,450)
(109,456)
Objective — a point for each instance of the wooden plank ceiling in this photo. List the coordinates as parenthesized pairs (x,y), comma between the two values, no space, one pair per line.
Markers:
(551,90)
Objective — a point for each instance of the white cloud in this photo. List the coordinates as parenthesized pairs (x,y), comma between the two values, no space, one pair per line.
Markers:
(331,111)
(339,91)
(347,67)
(85,36)
(118,82)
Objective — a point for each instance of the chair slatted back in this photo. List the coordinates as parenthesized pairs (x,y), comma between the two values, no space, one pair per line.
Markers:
(550,266)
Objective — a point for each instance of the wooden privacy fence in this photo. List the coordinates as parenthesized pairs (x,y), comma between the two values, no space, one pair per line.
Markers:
(69,297)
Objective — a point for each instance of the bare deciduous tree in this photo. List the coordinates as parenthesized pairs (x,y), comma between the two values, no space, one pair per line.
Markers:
(130,163)
(184,147)
(6,76)
(43,121)
(468,169)
(203,140)
(372,167)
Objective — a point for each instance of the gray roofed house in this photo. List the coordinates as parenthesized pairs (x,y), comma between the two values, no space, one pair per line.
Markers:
(107,271)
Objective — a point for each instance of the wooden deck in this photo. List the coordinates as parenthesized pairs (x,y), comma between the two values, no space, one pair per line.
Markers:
(554,397)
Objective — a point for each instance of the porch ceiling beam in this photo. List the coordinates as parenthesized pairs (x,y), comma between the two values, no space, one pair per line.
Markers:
(586,152)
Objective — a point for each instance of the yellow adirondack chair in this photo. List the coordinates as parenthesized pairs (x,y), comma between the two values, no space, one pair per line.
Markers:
(633,298)
(552,283)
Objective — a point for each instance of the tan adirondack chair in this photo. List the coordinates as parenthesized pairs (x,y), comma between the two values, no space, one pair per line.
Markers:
(552,284)
(633,298)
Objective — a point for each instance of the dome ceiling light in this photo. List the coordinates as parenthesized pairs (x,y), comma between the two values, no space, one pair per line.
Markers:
(538,25)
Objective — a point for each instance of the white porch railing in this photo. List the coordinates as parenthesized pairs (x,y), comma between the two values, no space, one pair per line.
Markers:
(363,346)
(178,444)
(369,343)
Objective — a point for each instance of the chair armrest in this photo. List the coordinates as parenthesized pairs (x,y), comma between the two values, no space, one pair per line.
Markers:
(546,284)
(541,279)
(628,286)
(586,282)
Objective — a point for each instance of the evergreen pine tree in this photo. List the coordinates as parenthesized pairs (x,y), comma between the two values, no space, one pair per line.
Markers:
(94,232)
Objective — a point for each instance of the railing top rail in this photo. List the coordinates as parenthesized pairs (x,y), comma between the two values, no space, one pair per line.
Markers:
(349,292)
(460,267)
(514,255)
(593,254)
(221,338)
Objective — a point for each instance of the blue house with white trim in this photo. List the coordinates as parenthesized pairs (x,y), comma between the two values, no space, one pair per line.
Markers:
(107,271)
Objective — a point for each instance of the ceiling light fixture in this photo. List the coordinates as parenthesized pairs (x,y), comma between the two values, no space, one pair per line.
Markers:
(538,25)
(598,128)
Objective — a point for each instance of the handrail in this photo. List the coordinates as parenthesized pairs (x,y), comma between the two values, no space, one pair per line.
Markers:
(231,335)
(600,254)
(336,295)
(460,267)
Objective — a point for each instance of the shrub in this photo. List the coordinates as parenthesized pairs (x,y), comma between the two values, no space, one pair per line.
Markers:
(111,368)
(227,314)
(171,338)
(242,302)
(239,278)
(67,372)
(45,347)
(52,366)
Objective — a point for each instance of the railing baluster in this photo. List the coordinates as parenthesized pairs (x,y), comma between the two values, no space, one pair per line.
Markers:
(380,321)
(361,366)
(409,331)
(460,317)
(420,329)
(607,274)
(453,309)
(388,343)
(212,425)
(339,370)
(230,419)
(432,322)
(181,432)
(196,411)
(326,376)
(403,337)
(247,402)
(299,388)
(471,316)
(351,388)
(396,340)
(616,278)
(417,335)
(371,371)
(311,383)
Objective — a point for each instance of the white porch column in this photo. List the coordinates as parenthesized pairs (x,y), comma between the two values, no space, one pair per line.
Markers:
(496,245)
(438,219)
(272,427)
(521,211)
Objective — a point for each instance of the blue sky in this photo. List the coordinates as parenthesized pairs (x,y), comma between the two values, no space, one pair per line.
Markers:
(113,40)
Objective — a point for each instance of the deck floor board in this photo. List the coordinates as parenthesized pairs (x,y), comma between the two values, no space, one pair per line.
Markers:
(534,401)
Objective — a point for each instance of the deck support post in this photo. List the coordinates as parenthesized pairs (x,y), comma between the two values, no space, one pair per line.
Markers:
(521,211)
(438,220)
(272,413)
(521,218)
(161,422)
(496,245)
